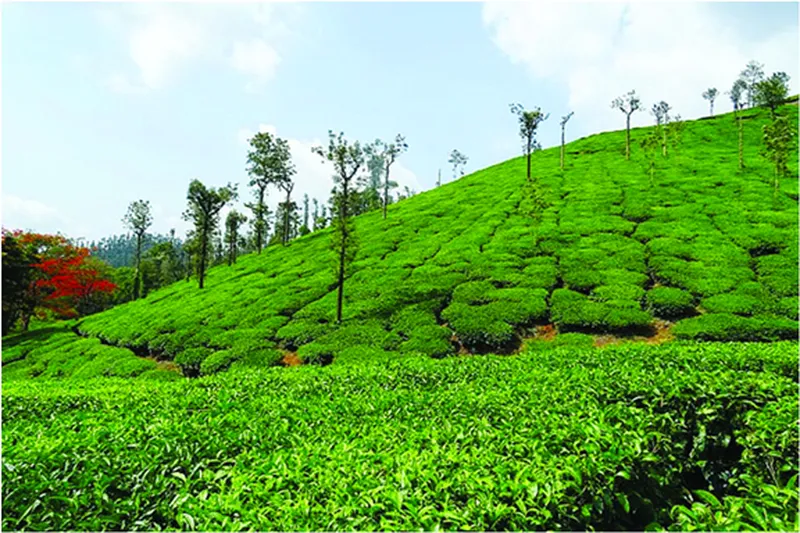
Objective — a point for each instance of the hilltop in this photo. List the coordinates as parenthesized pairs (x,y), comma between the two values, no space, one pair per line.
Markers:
(701,252)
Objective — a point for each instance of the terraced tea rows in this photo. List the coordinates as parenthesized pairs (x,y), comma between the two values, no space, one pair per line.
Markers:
(460,268)
(699,436)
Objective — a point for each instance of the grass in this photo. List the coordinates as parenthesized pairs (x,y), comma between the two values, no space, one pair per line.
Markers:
(678,436)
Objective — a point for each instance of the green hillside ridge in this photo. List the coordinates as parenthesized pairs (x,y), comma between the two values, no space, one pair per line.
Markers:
(459,268)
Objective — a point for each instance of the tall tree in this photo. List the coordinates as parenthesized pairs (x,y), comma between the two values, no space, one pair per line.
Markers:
(772,91)
(233,222)
(457,159)
(269,163)
(305,215)
(751,75)
(779,137)
(628,103)
(528,123)
(288,208)
(347,159)
(674,130)
(650,143)
(205,203)
(389,154)
(439,178)
(736,94)
(661,113)
(710,95)
(563,124)
(138,219)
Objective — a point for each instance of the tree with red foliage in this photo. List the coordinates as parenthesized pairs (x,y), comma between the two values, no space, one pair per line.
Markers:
(72,283)
(48,273)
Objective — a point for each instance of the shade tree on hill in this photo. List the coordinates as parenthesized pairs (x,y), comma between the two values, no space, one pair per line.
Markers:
(138,219)
(779,138)
(737,99)
(267,164)
(674,131)
(710,95)
(661,113)
(233,222)
(772,91)
(347,159)
(628,103)
(752,74)
(458,160)
(305,229)
(387,154)
(205,204)
(563,125)
(650,143)
(528,124)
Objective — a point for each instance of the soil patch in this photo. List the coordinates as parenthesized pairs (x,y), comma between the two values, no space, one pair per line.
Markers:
(291,359)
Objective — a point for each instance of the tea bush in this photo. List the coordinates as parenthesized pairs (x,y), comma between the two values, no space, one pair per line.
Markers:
(632,437)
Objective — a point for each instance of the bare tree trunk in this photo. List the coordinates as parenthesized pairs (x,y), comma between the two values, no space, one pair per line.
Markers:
(562,147)
(286,218)
(203,249)
(741,144)
(342,253)
(528,152)
(712,108)
(386,192)
(628,136)
(137,281)
(664,141)
(260,224)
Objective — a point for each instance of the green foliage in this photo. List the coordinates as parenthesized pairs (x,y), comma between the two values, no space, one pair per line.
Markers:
(669,302)
(573,310)
(190,360)
(723,326)
(570,438)
(704,229)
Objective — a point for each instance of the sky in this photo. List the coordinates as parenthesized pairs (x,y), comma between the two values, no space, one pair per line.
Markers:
(104,104)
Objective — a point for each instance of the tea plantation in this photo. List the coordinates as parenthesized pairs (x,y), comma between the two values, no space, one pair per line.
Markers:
(680,436)
(390,423)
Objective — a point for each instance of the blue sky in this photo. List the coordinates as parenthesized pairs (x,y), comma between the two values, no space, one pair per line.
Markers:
(104,104)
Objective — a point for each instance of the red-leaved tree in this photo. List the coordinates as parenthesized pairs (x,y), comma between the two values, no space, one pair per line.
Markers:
(47,273)
(73,283)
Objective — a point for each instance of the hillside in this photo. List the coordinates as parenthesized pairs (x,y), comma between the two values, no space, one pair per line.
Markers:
(459,269)
(666,431)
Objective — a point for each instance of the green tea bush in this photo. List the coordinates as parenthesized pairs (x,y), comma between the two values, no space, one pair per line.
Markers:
(572,310)
(480,327)
(217,362)
(728,327)
(262,358)
(301,331)
(433,341)
(191,359)
(620,291)
(669,302)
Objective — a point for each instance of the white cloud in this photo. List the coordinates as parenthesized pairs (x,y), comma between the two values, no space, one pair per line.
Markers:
(163,40)
(26,211)
(257,59)
(668,51)
(314,175)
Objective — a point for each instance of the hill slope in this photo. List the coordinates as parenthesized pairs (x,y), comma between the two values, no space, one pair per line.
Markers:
(459,268)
